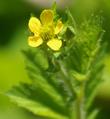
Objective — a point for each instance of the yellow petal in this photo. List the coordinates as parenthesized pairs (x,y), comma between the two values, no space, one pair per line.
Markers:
(46,17)
(54,44)
(59,27)
(35,41)
(34,25)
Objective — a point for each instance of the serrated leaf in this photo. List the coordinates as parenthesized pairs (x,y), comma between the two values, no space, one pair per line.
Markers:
(39,96)
(95,78)
(36,108)
(37,58)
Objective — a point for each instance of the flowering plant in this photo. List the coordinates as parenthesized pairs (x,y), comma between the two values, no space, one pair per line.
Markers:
(64,64)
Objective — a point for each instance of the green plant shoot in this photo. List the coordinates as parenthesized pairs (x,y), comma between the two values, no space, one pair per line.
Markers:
(64,63)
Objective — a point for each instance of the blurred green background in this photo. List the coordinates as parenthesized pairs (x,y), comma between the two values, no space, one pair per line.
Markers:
(14,16)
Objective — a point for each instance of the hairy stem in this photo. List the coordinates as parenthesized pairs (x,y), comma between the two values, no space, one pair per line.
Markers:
(80,110)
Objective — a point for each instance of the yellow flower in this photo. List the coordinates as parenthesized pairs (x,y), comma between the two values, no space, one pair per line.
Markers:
(45,30)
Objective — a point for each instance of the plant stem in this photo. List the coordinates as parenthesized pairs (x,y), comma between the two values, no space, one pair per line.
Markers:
(80,111)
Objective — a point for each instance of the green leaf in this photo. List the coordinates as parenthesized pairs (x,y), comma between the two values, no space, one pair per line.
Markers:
(96,76)
(36,108)
(71,22)
(35,99)
(54,7)
(37,58)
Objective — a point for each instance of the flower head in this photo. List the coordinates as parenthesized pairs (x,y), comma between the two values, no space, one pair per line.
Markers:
(45,30)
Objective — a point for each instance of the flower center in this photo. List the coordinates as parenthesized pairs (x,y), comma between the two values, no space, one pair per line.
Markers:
(47,33)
